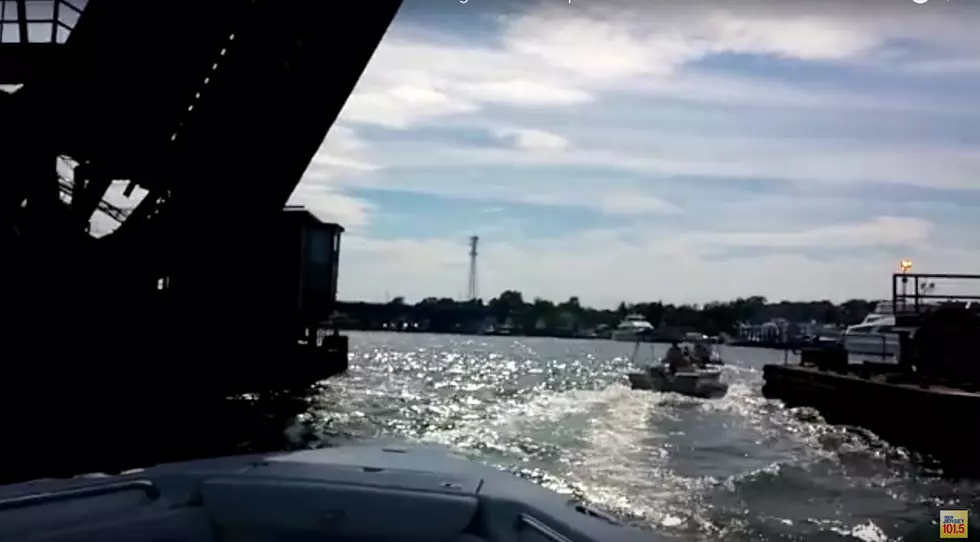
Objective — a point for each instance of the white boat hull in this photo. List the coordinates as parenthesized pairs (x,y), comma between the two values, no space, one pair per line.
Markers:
(630,336)
(714,359)
(352,493)
(704,383)
(633,328)
(879,345)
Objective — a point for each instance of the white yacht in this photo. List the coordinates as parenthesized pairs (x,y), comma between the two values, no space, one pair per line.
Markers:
(633,328)
(369,492)
(874,336)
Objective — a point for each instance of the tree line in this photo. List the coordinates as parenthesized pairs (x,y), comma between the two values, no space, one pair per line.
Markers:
(542,316)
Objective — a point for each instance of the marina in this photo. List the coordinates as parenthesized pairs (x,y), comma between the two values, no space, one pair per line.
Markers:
(931,385)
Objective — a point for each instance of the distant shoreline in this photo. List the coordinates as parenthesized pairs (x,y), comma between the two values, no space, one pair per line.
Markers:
(509,314)
(733,344)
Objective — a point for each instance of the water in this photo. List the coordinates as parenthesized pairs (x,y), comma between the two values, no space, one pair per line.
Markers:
(560,412)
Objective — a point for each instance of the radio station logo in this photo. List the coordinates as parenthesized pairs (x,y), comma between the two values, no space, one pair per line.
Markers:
(953,524)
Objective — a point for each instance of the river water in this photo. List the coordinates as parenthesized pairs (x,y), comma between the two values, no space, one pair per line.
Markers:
(560,412)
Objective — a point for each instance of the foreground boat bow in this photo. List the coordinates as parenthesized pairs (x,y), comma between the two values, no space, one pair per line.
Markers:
(364,492)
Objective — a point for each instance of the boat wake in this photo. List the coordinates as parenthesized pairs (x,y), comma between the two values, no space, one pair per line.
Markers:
(737,468)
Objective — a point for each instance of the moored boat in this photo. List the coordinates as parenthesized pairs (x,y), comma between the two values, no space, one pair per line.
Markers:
(875,335)
(633,328)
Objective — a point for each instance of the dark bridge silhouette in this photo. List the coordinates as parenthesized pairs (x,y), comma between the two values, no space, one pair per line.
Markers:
(130,342)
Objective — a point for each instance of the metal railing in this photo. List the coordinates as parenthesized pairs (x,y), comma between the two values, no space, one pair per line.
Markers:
(118,214)
(23,16)
(38,499)
(876,351)
(911,296)
(538,526)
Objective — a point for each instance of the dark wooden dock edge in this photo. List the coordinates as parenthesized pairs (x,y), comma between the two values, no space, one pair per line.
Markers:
(928,401)
(933,420)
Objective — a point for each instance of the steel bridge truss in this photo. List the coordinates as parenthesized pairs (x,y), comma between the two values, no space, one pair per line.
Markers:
(208,115)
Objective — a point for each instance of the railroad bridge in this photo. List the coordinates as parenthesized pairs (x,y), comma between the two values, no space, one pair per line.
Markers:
(210,111)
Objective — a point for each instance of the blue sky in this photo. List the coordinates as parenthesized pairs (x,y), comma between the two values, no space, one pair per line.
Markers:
(679,151)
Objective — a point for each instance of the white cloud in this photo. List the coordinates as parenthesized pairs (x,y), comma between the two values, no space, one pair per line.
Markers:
(532,140)
(740,90)
(801,36)
(553,58)
(561,84)
(562,55)
(591,48)
(403,105)
(329,205)
(340,160)
(883,231)
(619,203)
(611,43)
(944,66)
(341,151)
(523,92)
(825,163)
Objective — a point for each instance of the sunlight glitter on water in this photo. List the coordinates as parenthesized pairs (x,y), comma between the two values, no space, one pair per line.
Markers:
(559,412)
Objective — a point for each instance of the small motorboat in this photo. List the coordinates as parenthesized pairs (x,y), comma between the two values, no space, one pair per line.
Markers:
(351,493)
(700,375)
(696,382)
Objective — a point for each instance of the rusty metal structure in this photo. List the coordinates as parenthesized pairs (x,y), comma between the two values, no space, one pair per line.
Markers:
(209,111)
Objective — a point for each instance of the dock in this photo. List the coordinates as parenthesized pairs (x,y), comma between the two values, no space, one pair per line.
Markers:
(928,401)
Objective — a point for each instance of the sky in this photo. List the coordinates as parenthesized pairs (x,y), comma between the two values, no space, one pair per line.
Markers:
(675,151)
(679,151)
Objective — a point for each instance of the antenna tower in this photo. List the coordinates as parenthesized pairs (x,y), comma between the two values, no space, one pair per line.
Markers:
(471,291)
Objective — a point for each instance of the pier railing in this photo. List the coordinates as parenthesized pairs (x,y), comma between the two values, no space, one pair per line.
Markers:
(915,293)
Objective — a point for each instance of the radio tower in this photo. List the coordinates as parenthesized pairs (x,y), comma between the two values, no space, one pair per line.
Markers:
(471,292)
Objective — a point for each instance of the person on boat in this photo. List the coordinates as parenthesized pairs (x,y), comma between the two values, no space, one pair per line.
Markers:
(702,354)
(687,355)
(674,359)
